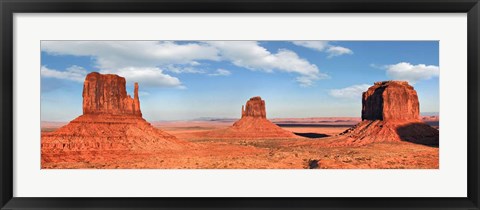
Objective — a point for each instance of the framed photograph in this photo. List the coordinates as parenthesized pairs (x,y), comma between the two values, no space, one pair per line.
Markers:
(239,105)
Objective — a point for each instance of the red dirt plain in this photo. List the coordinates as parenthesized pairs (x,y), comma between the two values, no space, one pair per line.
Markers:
(317,146)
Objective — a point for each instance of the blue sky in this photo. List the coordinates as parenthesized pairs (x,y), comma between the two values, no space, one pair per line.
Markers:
(182,80)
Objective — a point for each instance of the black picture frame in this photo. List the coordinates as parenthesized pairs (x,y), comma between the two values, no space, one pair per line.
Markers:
(9,7)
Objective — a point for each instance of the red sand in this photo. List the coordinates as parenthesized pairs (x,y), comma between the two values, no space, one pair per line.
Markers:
(257,153)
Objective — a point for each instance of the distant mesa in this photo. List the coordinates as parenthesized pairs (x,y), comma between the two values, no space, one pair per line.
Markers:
(253,124)
(391,112)
(111,120)
(255,107)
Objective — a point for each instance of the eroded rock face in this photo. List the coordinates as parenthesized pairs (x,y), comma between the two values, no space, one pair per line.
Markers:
(390,101)
(255,107)
(106,94)
(390,112)
(111,120)
(252,125)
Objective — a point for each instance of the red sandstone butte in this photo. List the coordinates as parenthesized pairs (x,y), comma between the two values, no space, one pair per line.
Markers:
(253,124)
(255,107)
(390,112)
(111,120)
(106,94)
(389,101)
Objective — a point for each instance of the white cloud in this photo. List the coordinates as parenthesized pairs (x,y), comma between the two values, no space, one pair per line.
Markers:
(146,76)
(250,55)
(324,46)
(143,93)
(375,66)
(305,81)
(315,45)
(351,92)
(150,56)
(221,72)
(73,73)
(194,63)
(138,60)
(120,54)
(179,69)
(337,51)
(412,73)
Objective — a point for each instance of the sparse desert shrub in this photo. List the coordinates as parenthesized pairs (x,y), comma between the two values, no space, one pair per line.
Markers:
(313,164)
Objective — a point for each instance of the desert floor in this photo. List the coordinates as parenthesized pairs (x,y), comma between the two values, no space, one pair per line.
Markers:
(318,146)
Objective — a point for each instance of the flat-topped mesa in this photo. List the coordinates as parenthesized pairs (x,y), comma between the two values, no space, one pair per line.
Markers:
(390,112)
(106,94)
(390,101)
(255,107)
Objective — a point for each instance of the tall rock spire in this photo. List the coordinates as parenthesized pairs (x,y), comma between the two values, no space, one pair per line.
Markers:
(136,101)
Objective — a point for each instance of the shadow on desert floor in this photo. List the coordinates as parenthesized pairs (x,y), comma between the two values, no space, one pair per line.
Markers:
(312,135)
(419,133)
